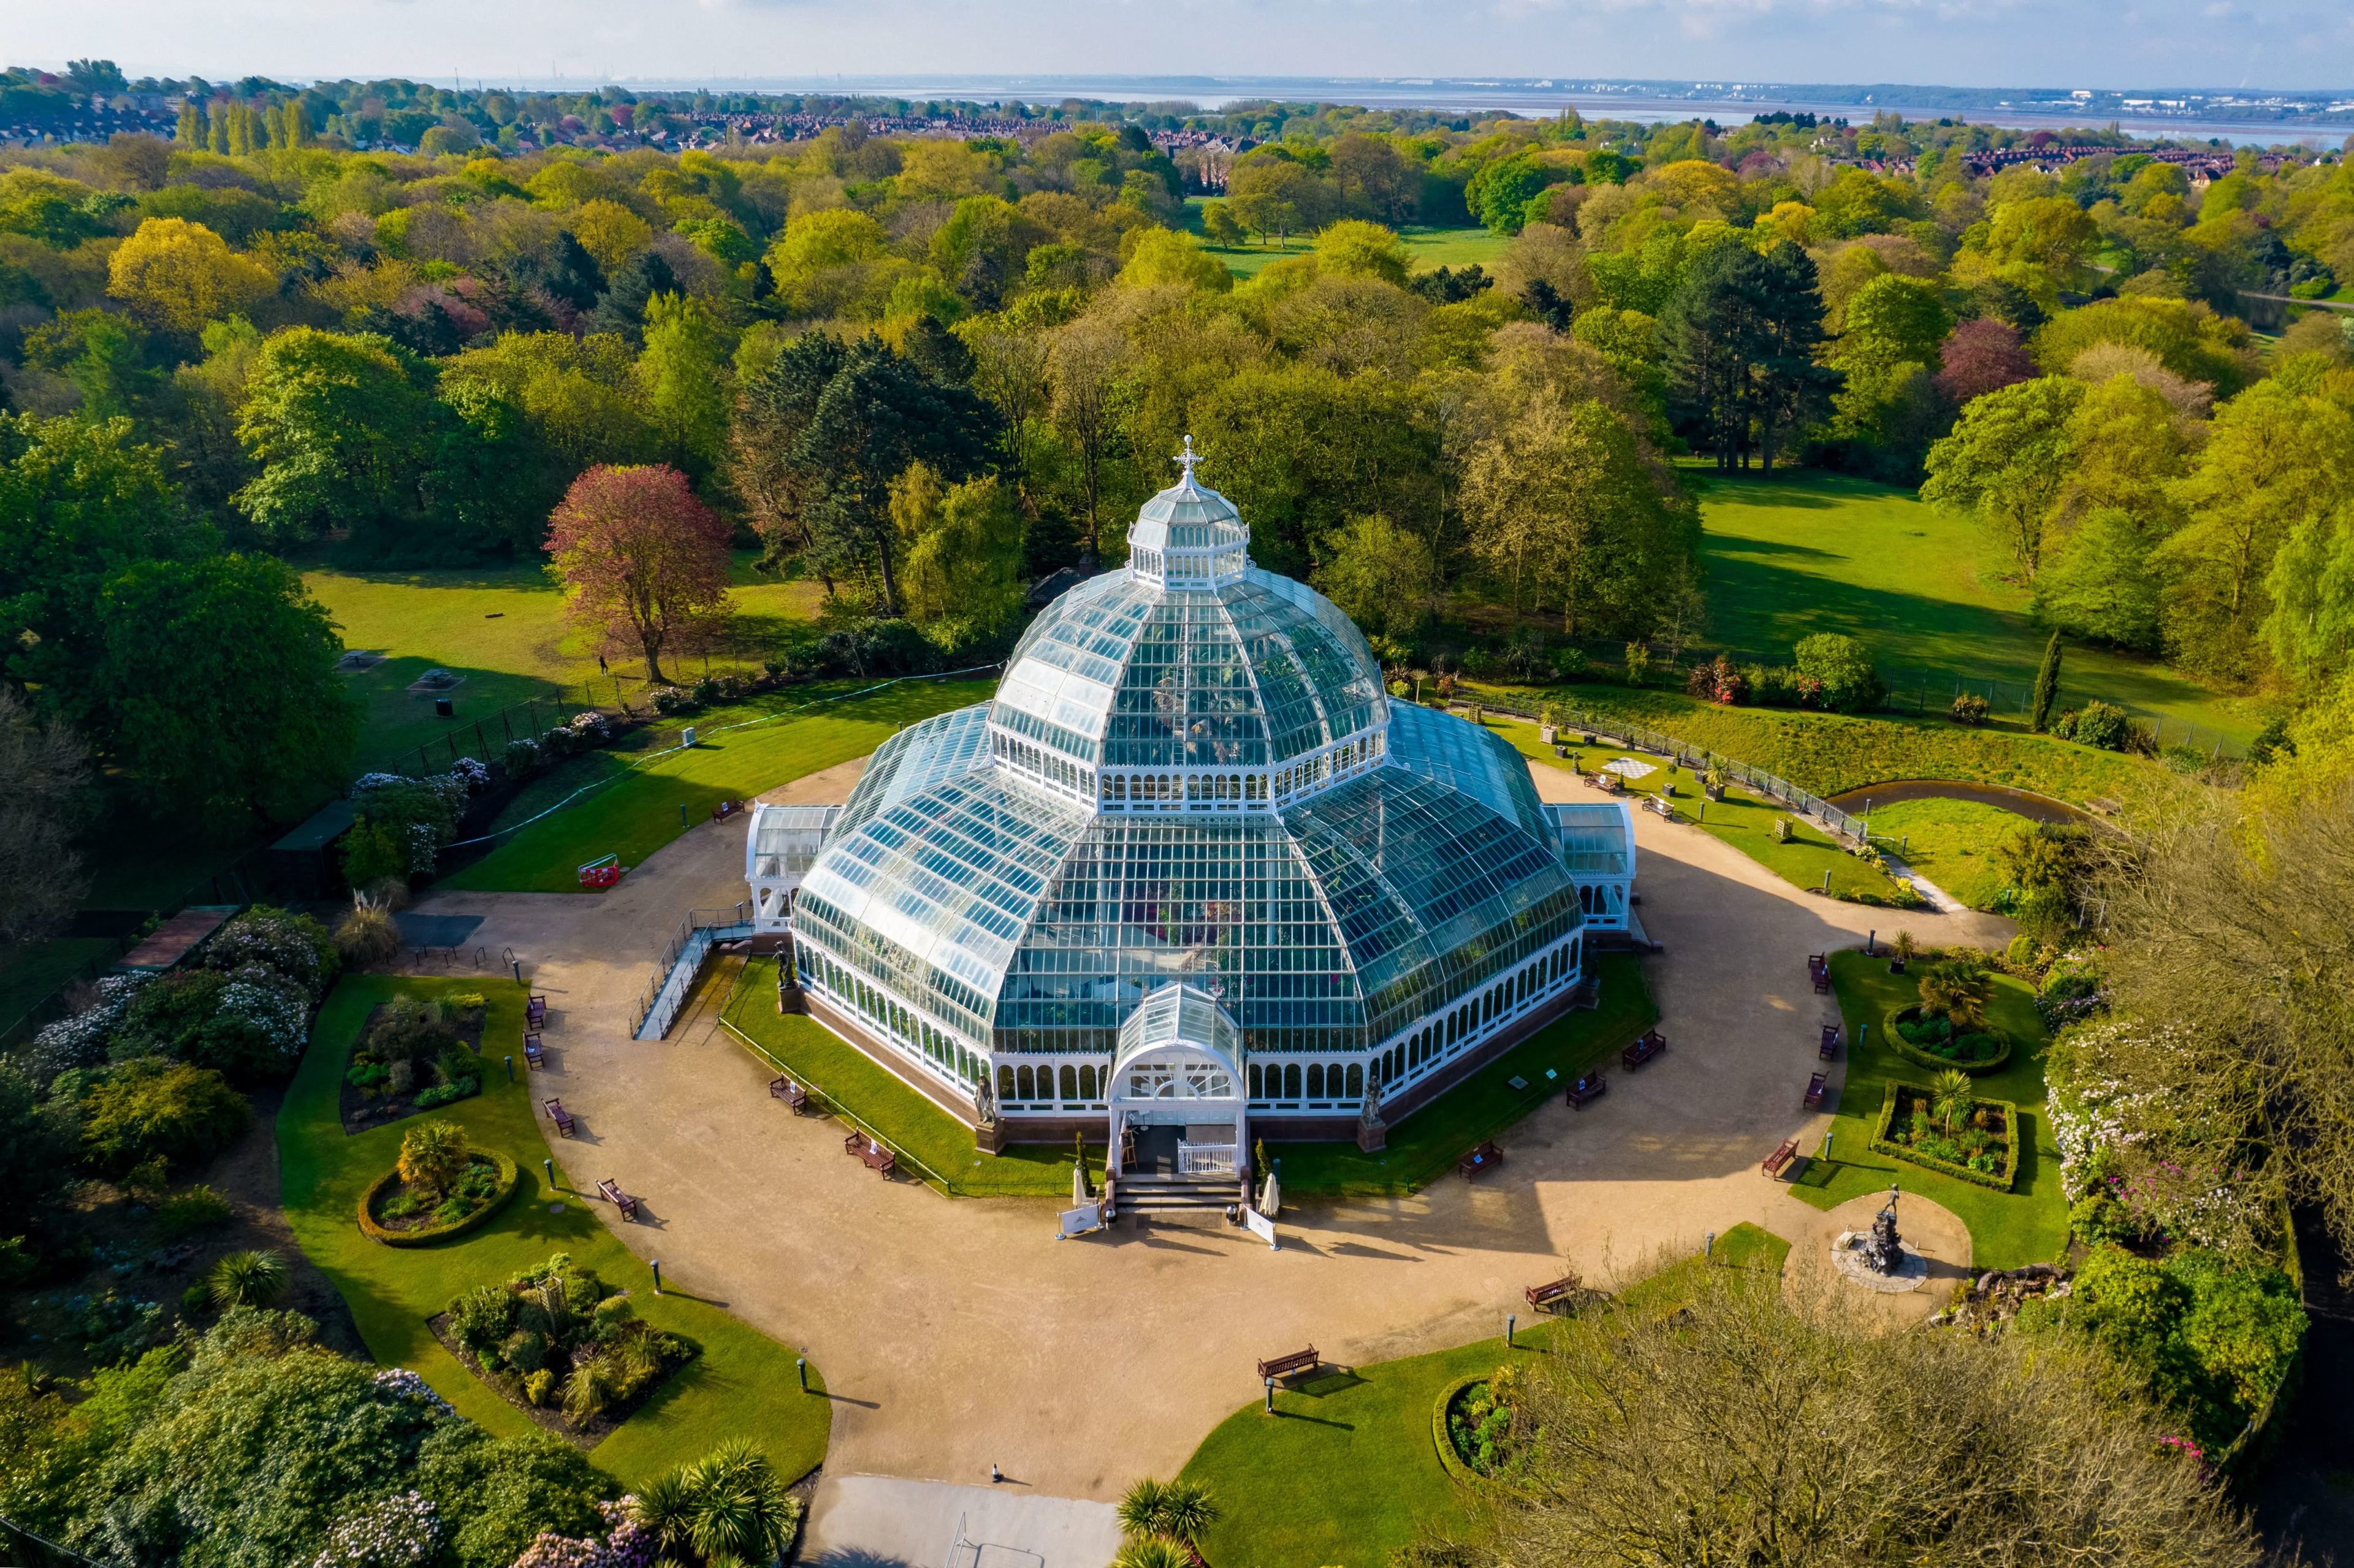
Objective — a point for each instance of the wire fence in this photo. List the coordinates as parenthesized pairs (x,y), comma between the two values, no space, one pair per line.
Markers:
(1926,690)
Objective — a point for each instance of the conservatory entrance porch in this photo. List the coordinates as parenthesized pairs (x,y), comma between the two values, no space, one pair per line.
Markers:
(1175,1092)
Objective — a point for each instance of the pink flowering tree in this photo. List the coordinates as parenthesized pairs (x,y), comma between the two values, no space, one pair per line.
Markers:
(645,561)
(1982,356)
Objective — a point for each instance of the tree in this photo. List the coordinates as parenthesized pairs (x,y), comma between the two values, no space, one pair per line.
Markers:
(1355,249)
(1376,180)
(1982,356)
(642,558)
(248,1278)
(2047,687)
(1790,386)
(2049,232)
(1893,320)
(1165,256)
(1955,990)
(149,1108)
(1382,574)
(1011,358)
(1842,666)
(1739,338)
(682,377)
(774,409)
(1088,361)
(177,276)
(340,427)
(963,559)
(1218,221)
(1754,1425)
(44,769)
(432,1155)
(2002,461)
(1949,1097)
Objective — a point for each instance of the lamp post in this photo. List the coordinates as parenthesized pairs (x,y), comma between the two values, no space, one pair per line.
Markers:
(800,1366)
(1511,1320)
(510,1062)
(550,1164)
(657,1262)
(1708,1244)
(1270,1396)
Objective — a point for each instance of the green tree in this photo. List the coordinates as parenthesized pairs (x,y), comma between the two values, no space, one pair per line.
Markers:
(1893,320)
(1382,574)
(149,1108)
(340,427)
(1218,221)
(1842,665)
(2047,687)
(102,354)
(2003,462)
(684,379)
(963,559)
(1356,248)
(777,403)
(1499,191)
(434,1154)
(1739,340)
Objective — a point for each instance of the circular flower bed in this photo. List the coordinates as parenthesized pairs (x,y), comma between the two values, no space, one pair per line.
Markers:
(398,1216)
(1937,1043)
(1473,1427)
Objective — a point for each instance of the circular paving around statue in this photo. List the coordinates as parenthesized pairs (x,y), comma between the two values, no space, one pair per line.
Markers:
(1847,1255)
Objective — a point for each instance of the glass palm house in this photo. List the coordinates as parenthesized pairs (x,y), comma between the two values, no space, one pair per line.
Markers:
(1190,867)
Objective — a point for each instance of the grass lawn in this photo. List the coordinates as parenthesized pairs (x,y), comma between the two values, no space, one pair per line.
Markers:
(1366,1436)
(1829,753)
(1429,247)
(2026,1225)
(504,630)
(742,1384)
(639,811)
(1425,1145)
(1805,552)
(847,1077)
(1742,819)
(1951,842)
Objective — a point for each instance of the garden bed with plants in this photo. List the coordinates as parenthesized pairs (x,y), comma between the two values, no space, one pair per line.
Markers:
(561,1345)
(1475,1421)
(1943,1127)
(1938,1042)
(404,1209)
(415,1053)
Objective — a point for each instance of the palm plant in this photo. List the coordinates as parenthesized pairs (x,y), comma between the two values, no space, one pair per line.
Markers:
(1153,1552)
(1949,1096)
(1187,1512)
(246,1279)
(433,1155)
(1140,1507)
(1955,992)
(742,1509)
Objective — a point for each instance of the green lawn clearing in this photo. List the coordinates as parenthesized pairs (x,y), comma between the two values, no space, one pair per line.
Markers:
(1951,842)
(646,799)
(1429,247)
(847,1080)
(1347,1471)
(1830,753)
(1805,551)
(2026,1225)
(1425,1145)
(1742,819)
(504,630)
(742,1384)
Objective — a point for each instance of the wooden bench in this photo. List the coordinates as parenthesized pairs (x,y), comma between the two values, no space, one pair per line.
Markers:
(1286,1366)
(1587,1087)
(870,1153)
(618,1199)
(535,1013)
(1657,806)
(1783,1154)
(1815,1090)
(559,1116)
(725,810)
(1819,970)
(1651,1044)
(1553,1293)
(792,1093)
(1830,1047)
(1608,783)
(1479,1159)
(533,1055)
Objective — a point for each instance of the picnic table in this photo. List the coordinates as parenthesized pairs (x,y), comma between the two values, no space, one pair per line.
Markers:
(870,1152)
(559,1116)
(618,1199)
(792,1093)
(1285,1366)
(1587,1087)
(1651,1044)
(1815,1090)
(1553,1293)
(1479,1159)
(1830,1047)
(535,1013)
(533,1054)
(1783,1154)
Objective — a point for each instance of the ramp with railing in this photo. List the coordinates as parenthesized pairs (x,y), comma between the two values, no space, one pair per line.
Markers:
(680,960)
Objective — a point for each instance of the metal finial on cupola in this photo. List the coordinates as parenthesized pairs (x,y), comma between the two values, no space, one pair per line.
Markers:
(1186,460)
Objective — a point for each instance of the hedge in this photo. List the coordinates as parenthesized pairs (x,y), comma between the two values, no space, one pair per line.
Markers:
(1930,1059)
(425,1235)
(1457,1470)
(1882,1144)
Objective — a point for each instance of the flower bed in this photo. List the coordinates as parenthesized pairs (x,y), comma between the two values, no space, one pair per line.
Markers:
(1443,1418)
(481,1193)
(560,1346)
(1984,1151)
(413,1058)
(1894,1021)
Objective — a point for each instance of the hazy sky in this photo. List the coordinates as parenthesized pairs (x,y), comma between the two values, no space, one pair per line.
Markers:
(2057,43)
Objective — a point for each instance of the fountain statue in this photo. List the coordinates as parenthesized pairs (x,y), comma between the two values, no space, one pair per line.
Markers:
(1882,1251)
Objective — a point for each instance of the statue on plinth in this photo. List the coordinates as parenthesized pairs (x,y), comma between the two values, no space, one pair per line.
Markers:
(1883,1250)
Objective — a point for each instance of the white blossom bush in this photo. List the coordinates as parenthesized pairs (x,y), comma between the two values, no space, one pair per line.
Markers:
(402,1531)
(627,1544)
(80,1040)
(408,1384)
(473,770)
(294,947)
(591,726)
(270,1008)
(522,757)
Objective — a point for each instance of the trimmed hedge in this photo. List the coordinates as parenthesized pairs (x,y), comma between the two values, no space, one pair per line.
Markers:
(1882,1144)
(1896,1041)
(1457,1470)
(425,1235)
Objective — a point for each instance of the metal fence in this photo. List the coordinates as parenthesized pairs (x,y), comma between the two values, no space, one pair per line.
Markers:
(486,739)
(679,960)
(1927,690)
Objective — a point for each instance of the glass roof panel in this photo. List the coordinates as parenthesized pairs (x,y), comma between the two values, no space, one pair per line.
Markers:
(1474,760)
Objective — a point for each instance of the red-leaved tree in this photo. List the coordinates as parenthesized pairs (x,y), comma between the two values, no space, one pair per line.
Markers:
(1982,356)
(642,557)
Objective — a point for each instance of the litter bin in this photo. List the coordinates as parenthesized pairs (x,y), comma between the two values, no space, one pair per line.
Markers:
(443,708)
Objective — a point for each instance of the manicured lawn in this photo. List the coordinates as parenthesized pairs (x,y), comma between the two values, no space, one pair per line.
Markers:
(1430,248)
(1829,753)
(1425,1145)
(846,1077)
(637,810)
(1805,552)
(1742,819)
(1347,1471)
(504,630)
(1951,842)
(742,1384)
(2026,1225)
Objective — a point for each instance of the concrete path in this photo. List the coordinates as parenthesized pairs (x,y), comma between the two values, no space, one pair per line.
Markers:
(953,1334)
(879,1521)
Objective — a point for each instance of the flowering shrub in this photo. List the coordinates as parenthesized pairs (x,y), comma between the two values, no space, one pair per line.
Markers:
(627,1544)
(592,728)
(404,818)
(294,947)
(671,699)
(473,770)
(1719,682)
(1969,708)
(561,741)
(400,1532)
(522,757)
(2071,991)
(273,1017)
(80,1040)
(409,1384)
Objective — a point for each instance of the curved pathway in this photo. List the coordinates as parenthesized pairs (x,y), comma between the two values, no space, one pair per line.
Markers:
(956,1334)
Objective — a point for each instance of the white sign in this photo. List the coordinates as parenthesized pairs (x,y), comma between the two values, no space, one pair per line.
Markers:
(1078,1222)
(1259,1226)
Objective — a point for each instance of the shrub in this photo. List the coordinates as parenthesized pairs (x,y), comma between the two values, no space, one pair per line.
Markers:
(521,758)
(246,1279)
(1843,666)
(191,1210)
(536,1385)
(367,935)
(1969,708)
(293,947)
(82,1040)
(412,1031)
(1569,663)
(671,699)
(1717,681)
(558,743)
(448,1093)
(2101,725)
(592,727)
(149,1107)
(115,1327)
(432,1155)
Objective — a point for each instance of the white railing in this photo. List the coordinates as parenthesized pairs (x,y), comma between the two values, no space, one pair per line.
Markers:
(1206,1159)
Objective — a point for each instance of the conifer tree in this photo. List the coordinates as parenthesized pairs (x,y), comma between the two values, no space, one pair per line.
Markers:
(2047,687)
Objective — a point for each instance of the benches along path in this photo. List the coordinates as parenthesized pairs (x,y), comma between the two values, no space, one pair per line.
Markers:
(956,1334)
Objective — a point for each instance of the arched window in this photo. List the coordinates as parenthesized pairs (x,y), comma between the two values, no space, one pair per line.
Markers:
(1257,1082)
(1315,1080)
(1291,1081)
(1070,1082)
(1005,1082)
(1356,1081)
(1087,1083)
(1026,1084)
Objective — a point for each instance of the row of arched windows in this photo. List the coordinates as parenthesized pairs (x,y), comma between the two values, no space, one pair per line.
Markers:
(909,1032)
(1315,1081)
(1078,1085)
(1442,1036)
(1190,787)
(1045,764)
